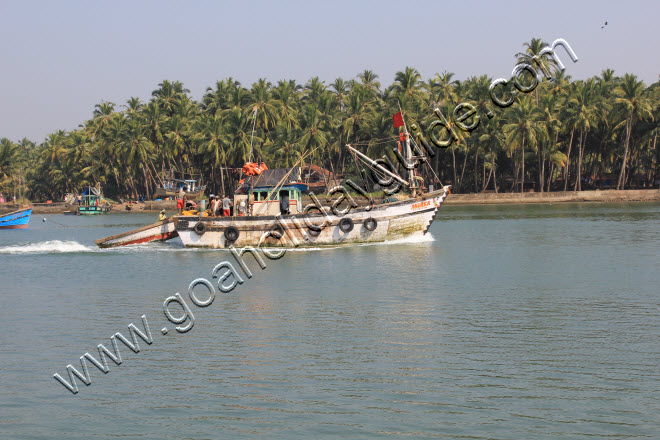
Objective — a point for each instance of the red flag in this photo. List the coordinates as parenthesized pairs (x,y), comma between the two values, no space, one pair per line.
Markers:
(397,120)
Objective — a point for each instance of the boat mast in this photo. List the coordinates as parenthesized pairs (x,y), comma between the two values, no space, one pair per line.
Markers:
(408,153)
(254,124)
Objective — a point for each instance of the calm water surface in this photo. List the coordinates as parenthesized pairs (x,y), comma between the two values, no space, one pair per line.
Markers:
(512,322)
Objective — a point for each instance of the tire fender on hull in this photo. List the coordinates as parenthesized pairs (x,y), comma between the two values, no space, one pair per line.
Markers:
(370,224)
(346,224)
(199,228)
(231,233)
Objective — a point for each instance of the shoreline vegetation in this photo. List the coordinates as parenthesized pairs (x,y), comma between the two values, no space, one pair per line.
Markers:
(605,196)
(598,133)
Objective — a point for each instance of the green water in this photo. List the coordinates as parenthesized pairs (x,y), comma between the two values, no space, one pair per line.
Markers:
(511,322)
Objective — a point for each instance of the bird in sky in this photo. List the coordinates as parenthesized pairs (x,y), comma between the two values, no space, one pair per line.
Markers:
(603,25)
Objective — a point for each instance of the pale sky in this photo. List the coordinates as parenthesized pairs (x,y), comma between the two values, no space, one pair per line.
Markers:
(60,58)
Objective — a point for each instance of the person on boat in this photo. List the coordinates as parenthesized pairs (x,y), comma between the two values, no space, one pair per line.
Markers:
(284,202)
(215,206)
(226,206)
(179,200)
(162,216)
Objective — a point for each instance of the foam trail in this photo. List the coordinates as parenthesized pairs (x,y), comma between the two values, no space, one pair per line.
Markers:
(46,247)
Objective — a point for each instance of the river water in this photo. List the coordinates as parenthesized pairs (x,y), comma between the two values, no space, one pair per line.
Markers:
(507,322)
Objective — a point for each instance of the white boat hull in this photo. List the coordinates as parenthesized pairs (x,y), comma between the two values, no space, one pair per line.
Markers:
(406,218)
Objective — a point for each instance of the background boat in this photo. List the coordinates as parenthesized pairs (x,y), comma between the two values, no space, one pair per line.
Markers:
(16,220)
(93,204)
(171,187)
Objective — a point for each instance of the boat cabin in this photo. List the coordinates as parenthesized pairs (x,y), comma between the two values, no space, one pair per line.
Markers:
(264,201)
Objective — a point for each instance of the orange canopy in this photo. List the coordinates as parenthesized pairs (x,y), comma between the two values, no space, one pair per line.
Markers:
(254,169)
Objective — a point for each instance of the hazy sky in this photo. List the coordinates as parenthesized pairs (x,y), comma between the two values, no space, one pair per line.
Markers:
(60,58)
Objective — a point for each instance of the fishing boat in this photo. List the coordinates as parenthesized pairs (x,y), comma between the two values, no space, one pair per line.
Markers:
(272,216)
(93,204)
(171,187)
(16,220)
(159,231)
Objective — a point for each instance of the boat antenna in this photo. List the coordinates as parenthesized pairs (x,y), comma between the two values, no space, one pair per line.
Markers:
(254,124)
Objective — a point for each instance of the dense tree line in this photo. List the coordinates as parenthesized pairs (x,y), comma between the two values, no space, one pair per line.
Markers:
(565,135)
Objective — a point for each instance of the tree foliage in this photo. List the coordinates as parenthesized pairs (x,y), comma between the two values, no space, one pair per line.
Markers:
(599,132)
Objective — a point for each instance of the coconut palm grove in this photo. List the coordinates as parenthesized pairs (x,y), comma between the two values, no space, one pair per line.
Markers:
(564,135)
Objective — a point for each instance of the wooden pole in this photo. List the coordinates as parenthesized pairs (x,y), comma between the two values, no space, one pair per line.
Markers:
(375,165)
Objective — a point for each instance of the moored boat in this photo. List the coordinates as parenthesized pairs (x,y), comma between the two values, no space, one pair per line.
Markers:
(171,187)
(91,202)
(16,220)
(93,205)
(159,231)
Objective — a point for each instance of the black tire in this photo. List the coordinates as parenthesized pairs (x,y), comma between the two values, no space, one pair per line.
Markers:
(314,232)
(346,224)
(231,233)
(370,224)
(277,231)
(199,228)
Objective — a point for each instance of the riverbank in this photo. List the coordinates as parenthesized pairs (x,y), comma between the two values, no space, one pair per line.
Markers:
(606,196)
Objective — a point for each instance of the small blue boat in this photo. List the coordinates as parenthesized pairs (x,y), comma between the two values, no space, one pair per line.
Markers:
(16,220)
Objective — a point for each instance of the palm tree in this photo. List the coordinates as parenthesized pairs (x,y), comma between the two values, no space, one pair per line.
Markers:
(408,89)
(314,90)
(542,64)
(634,105)
(236,136)
(286,98)
(314,128)
(222,97)
(359,111)
(441,122)
(550,124)
(285,147)
(340,92)
(261,102)
(169,95)
(522,130)
(586,109)
(443,88)
(370,82)
(10,156)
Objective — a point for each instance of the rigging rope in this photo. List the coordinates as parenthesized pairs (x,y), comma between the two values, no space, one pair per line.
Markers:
(50,220)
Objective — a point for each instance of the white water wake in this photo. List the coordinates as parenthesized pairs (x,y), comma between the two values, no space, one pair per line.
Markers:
(46,247)
(61,247)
